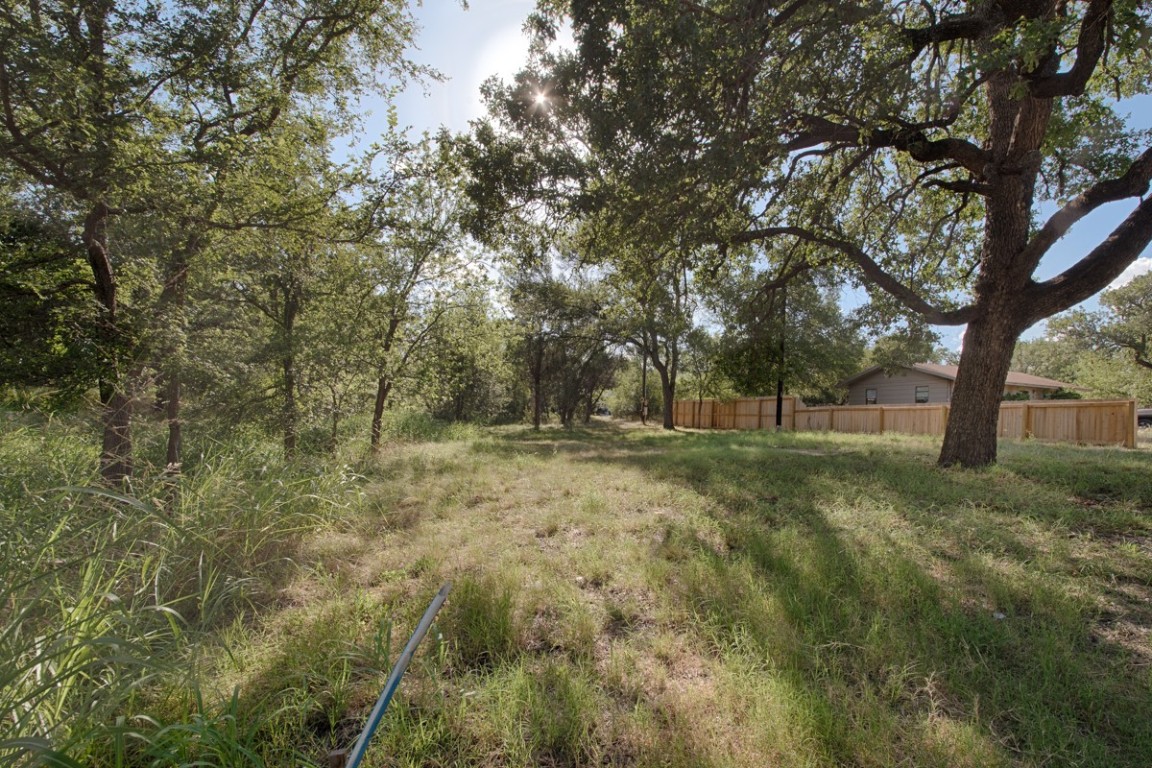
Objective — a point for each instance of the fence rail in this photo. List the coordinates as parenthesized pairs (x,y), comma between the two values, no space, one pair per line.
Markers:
(1085,422)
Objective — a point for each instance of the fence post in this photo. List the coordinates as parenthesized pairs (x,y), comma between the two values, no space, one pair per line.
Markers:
(1130,432)
(881,418)
(1028,420)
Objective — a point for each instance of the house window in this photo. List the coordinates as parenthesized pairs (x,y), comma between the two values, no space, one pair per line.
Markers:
(870,396)
(922,393)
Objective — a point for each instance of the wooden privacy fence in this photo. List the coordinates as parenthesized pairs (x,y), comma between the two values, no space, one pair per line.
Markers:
(742,413)
(1087,422)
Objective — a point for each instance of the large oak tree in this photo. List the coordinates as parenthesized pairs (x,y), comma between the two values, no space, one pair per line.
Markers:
(938,150)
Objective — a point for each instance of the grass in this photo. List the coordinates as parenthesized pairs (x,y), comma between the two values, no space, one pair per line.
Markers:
(623,596)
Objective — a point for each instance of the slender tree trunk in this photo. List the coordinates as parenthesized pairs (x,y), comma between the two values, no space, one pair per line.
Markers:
(537,386)
(290,413)
(383,388)
(175,431)
(782,361)
(116,450)
(644,389)
(174,299)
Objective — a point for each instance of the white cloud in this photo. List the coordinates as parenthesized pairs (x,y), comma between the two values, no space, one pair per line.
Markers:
(1135,269)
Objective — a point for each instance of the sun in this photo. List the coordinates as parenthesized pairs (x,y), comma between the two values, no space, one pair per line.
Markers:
(541,99)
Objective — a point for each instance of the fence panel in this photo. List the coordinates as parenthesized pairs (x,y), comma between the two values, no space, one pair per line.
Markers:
(760,412)
(813,419)
(863,419)
(1092,422)
(1012,420)
(915,419)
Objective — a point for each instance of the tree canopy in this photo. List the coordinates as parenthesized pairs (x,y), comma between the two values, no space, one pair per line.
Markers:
(911,145)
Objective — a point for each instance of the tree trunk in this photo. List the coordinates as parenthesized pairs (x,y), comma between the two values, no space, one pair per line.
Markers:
(1018,127)
(974,415)
(644,390)
(383,387)
(667,389)
(175,431)
(116,452)
(173,297)
(290,415)
(537,386)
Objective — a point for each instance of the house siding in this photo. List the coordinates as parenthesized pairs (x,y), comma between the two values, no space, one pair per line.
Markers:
(900,389)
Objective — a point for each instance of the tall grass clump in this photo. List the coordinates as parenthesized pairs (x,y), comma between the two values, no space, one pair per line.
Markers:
(480,622)
(106,597)
(420,427)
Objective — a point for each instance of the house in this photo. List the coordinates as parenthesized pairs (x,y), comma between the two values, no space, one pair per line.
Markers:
(931,383)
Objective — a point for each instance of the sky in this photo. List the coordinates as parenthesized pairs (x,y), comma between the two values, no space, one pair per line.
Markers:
(469,46)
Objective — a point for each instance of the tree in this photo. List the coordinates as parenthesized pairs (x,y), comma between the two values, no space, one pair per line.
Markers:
(916,142)
(703,366)
(1124,325)
(414,274)
(113,110)
(47,312)
(466,370)
(788,331)
(650,307)
(1053,357)
(561,341)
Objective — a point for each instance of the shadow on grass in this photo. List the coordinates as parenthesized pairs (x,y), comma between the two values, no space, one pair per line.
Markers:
(949,617)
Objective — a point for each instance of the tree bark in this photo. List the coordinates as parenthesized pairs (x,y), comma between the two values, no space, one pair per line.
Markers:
(383,388)
(667,372)
(1018,127)
(174,297)
(970,439)
(173,454)
(116,451)
(537,385)
(291,415)
(116,454)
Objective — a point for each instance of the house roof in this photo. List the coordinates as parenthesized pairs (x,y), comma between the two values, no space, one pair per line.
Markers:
(948,372)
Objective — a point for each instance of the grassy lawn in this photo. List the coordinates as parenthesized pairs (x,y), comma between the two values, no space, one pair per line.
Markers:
(622,596)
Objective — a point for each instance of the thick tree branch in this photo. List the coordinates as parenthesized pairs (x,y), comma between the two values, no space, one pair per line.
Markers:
(1089,48)
(1095,271)
(872,270)
(1134,183)
(815,131)
(962,187)
(964,26)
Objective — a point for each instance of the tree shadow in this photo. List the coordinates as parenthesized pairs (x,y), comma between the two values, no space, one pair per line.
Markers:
(951,613)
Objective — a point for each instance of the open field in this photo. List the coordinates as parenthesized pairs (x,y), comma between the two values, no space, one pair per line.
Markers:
(623,596)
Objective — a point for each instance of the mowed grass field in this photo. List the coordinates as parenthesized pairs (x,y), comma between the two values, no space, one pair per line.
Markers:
(622,597)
